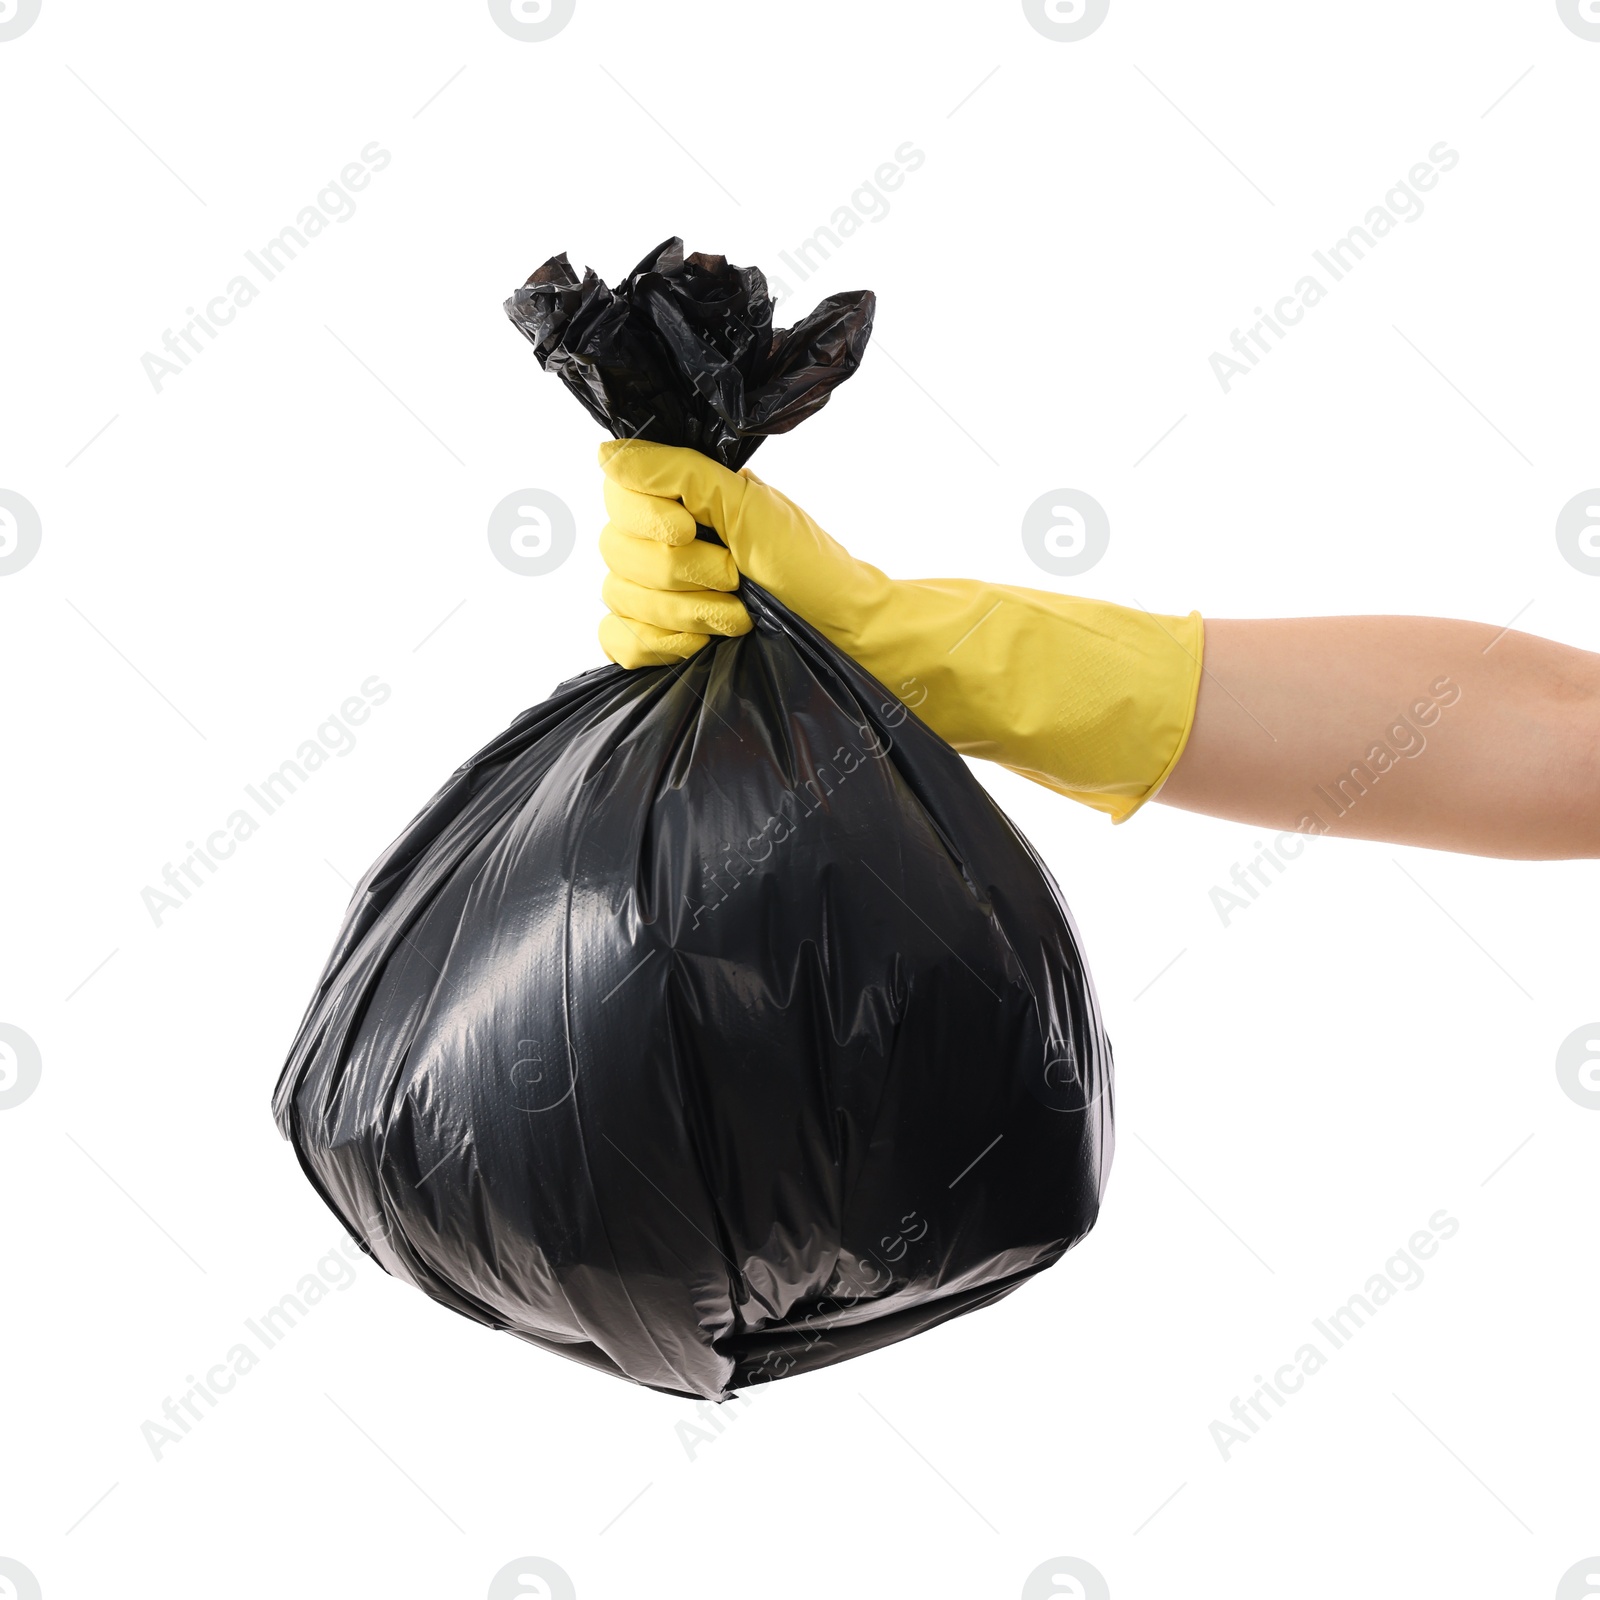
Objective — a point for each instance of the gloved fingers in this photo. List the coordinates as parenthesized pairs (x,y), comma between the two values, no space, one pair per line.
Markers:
(700,611)
(634,644)
(696,565)
(707,489)
(648,516)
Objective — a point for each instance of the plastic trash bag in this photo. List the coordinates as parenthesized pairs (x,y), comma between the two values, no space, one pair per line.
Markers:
(712,1024)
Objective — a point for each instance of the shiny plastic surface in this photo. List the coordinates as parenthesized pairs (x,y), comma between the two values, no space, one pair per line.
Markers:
(712,1024)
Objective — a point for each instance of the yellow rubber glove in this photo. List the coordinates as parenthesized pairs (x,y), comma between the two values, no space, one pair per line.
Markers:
(1090,699)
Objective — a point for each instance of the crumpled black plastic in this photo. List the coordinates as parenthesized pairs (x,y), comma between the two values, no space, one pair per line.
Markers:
(712,1024)
(683,350)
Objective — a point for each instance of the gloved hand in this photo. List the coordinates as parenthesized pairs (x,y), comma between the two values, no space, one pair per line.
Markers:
(1090,699)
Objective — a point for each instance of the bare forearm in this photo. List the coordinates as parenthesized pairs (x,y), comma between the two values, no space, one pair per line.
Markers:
(1454,735)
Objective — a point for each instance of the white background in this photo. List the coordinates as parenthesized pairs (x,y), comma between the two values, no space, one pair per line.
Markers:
(305,506)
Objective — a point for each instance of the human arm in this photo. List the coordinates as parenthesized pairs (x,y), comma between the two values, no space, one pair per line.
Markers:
(1416,730)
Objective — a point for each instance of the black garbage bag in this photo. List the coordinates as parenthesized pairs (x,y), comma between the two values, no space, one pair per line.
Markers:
(712,1024)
